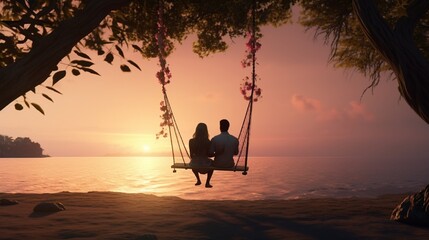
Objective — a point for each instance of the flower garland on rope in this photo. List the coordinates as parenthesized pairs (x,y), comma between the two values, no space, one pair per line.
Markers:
(164,74)
(253,45)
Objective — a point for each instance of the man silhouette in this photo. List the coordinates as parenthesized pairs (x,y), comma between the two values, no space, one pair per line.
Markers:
(224,146)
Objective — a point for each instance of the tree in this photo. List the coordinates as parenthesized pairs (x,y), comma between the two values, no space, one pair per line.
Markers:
(374,37)
(20,147)
(30,29)
(377,37)
(5,145)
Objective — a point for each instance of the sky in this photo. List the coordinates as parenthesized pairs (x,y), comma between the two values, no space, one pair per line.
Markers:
(308,107)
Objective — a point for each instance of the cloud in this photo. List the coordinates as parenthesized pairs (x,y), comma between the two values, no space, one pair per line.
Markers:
(358,111)
(352,112)
(305,104)
(330,115)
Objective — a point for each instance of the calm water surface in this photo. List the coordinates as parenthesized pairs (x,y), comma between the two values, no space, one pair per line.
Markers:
(268,178)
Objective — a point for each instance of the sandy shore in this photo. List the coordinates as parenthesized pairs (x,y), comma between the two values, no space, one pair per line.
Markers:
(107,215)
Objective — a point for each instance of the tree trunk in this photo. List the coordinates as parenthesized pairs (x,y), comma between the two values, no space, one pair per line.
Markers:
(399,50)
(35,67)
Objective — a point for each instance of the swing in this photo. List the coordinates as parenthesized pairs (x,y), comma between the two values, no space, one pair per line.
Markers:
(170,122)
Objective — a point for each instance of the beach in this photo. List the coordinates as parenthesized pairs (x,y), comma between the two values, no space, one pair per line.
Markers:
(113,215)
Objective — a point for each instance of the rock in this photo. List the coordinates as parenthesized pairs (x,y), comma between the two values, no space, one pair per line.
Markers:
(414,209)
(7,202)
(49,207)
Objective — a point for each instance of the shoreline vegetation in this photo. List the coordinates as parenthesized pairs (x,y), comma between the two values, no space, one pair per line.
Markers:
(21,147)
(113,215)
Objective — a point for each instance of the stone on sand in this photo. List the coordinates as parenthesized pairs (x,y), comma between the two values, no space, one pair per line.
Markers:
(49,207)
(7,202)
(414,209)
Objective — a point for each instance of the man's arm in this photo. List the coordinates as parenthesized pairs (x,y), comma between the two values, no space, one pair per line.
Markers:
(236,147)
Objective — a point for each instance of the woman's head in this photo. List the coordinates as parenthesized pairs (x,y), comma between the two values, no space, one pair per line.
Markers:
(201,131)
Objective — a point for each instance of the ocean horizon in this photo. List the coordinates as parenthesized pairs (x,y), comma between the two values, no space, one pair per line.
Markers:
(268,177)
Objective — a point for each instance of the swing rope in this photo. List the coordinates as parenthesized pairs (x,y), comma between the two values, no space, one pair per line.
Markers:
(164,76)
(173,124)
(245,127)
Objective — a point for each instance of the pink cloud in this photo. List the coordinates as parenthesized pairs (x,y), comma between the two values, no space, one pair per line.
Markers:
(358,111)
(305,104)
(354,110)
(330,115)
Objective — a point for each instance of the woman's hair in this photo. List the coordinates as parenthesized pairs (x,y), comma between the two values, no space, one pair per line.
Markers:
(201,132)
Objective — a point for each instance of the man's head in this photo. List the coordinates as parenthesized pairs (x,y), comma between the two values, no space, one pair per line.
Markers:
(224,125)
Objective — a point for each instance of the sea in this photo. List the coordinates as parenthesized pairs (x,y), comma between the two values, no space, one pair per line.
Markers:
(267,178)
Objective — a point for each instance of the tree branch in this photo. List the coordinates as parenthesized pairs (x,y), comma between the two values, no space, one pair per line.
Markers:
(399,51)
(35,67)
(416,10)
(374,27)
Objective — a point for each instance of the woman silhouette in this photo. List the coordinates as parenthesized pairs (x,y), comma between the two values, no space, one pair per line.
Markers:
(199,147)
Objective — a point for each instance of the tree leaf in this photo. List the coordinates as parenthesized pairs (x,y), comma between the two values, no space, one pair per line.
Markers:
(109,58)
(90,71)
(78,48)
(125,68)
(47,97)
(120,51)
(83,63)
(103,42)
(100,52)
(58,76)
(134,64)
(75,72)
(137,48)
(53,89)
(18,106)
(81,54)
(37,106)
(26,103)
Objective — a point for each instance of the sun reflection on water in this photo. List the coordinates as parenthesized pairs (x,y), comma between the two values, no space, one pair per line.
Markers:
(268,178)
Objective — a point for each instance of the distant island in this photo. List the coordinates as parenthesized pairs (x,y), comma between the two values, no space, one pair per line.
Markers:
(21,147)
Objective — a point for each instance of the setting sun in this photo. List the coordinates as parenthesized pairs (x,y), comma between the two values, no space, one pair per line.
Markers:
(146,148)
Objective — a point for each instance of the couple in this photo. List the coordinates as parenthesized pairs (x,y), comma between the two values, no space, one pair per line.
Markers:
(222,147)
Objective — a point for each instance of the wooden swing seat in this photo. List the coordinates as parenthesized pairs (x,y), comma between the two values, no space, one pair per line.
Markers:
(187,166)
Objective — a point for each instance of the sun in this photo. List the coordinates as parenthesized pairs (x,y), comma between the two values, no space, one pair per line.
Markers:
(146,148)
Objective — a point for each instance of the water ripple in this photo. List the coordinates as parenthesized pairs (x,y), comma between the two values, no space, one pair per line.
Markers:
(268,178)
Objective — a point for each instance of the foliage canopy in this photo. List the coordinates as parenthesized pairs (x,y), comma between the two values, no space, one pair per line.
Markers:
(370,36)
